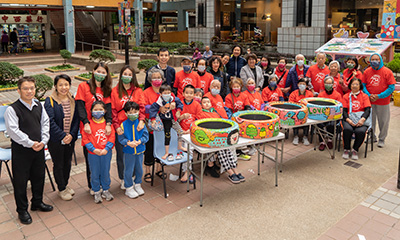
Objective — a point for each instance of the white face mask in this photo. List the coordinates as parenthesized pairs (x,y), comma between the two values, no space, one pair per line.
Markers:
(300,63)
(302,87)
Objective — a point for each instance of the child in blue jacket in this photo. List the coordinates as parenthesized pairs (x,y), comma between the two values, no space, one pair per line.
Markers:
(134,146)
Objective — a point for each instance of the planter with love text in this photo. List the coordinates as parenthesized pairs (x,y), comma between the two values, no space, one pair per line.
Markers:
(323,108)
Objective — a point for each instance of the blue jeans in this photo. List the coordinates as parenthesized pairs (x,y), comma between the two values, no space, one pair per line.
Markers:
(15,47)
(133,164)
(100,171)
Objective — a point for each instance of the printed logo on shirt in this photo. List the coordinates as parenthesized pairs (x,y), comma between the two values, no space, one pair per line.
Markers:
(257,103)
(375,80)
(186,81)
(189,120)
(203,84)
(301,76)
(274,97)
(356,105)
(220,105)
(124,100)
(101,137)
(238,105)
(99,97)
(319,77)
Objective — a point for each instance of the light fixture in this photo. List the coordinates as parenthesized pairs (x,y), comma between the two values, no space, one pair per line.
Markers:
(145,9)
(266,17)
(14,4)
(227,4)
(89,6)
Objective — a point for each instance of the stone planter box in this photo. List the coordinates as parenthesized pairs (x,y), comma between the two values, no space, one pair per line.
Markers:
(8,89)
(87,79)
(62,70)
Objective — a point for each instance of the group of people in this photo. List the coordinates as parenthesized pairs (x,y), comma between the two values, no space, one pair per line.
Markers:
(12,39)
(125,116)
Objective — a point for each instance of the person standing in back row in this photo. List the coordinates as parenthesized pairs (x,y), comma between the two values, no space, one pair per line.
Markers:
(28,125)
(14,41)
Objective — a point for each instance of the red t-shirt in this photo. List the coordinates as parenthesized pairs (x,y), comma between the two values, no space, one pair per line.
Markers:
(278,73)
(98,137)
(271,96)
(238,103)
(182,79)
(336,85)
(149,97)
(205,81)
(295,96)
(317,76)
(117,104)
(358,103)
(254,99)
(203,114)
(348,75)
(377,81)
(193,109)
(300,73)
(217,103)
(334,95)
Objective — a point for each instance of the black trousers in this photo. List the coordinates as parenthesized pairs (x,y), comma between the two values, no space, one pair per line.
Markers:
(62,157)
(27,164)
(148,154)
(120,157)
(305,130)
(330,127)
(4,47)
(85,153)
(167,130)
(359,133)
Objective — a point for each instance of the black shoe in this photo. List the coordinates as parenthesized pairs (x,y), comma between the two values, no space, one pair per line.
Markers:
(42,207)
(211,171)
(25,217)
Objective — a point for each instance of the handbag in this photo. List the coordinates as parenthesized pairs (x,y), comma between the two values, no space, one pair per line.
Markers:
(356,116)
(158,126)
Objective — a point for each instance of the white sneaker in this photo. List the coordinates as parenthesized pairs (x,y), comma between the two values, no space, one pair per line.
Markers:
(354,155)
(97,197)
(346,154)
(381,143)
(305,141)
(252,151)
(122,184)
(295,140)
(91,192)
(138,188)
(131,193)
(107,195)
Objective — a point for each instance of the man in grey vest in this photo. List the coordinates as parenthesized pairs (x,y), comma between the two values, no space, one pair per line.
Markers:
(28,125)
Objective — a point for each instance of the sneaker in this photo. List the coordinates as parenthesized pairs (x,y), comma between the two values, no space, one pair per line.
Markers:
(122,184)
(107,195)
(295,140)
(354,155)
(70,190)
(322,146)
(131,193)
(244,157)
(241,177)
(305,141)
(330,144)
(97,197)
(252,151)
(91,192)
(234,178)
(138,188)
(346,154)
(179,156)
(381,143)
(65,195)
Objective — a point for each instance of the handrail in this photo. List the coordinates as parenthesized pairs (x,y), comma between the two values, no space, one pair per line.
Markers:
(101,46)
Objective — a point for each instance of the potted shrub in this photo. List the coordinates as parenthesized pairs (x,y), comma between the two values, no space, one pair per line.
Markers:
(102,55)
(87,75)
(65,54)
(146,64)
(44,83)
(9,73)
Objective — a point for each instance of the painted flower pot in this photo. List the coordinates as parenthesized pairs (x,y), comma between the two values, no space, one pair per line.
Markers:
(214,132)
(290,113)
(323,108)
(257,124)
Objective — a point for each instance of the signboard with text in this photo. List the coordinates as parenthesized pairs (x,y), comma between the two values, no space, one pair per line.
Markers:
(22,19)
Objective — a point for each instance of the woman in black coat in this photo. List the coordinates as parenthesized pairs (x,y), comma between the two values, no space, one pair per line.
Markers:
(215,69)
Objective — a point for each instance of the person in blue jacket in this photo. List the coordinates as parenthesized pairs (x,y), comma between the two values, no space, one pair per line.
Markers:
(134,143)
(296,73)
(169,72)
(235,64)
(64,126)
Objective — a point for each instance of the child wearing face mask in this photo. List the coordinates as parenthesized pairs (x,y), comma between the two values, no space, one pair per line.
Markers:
(100,147)
(133,142)
(198,94)
(169,118)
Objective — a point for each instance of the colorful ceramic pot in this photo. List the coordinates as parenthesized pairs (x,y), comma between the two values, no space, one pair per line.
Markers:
(214,132)
(323,108)
(257,124)
(290,113)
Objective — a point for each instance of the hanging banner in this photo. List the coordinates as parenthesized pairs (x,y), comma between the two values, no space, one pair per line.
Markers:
(124,16)
(390,29)
(22,19)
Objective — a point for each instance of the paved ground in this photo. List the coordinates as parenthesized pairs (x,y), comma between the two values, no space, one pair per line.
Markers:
(317,198)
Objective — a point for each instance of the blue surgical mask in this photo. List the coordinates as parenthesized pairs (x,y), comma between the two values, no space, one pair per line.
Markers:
(98,114)
(375,64)
(302,87)
(272,84)
(166,97)
(186,68)
(215,91)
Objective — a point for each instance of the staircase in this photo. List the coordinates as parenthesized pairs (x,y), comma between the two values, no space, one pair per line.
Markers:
(34,60)
(83,31)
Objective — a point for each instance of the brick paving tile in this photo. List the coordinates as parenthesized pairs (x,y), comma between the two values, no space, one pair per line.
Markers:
(143,208)
(126,214)
(4,217)
(325,237)
(116,206)
(73,213)
(338,233)
(391,198)
(100,213)
(108,221)
(357,218)
(377,227)
(369,233)
(45,215)
(53,221)
(154,215)
(119,231)
(158,201)
(168,208)
(348,226)
(393,233)
(34,227)
(367,212)
(12,235)
(82,221)
(7,226)
(385,205)
(44,235)
(90,230)
(137,223)
(74,235)
(61,229)
(385,219)
(101,236)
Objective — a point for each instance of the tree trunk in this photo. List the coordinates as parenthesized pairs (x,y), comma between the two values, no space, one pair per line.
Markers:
(156,30)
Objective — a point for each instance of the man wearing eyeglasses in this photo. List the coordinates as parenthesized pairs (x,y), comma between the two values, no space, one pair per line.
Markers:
(28,126)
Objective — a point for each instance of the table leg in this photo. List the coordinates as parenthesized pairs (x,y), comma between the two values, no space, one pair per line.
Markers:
(258,153)
(263,154)
(188,166)
(201,181)
(283,140)
(276,163)
(334,140)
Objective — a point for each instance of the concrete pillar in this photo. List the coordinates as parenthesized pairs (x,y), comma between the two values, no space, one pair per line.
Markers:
(182,19)
(47,34)
(138,20)
(238,14)
(69,25)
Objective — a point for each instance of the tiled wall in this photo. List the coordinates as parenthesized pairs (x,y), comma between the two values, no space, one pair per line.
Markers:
(305,40)
(204,34)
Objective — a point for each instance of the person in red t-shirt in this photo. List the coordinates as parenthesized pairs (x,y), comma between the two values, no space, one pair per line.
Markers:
(97,88)
(351,72)
(330,93)
(296,96)
(126,90)
(185,77)
(317,73)
(216,100)
(236,100)
(99,146)
(338,85)
(379,83)
(272,92)
(205,77)
(253,96)
(281,72)
(354,101)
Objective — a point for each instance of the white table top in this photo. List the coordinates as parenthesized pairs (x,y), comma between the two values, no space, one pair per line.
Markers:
(308,123)
(242,142)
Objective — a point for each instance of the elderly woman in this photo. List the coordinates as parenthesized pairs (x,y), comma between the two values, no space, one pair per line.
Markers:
(331,93)
(272,93)
(356,110)
(253,95)
(296,73)
(339,84)
(64,126)
(265,65)
(251,70)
